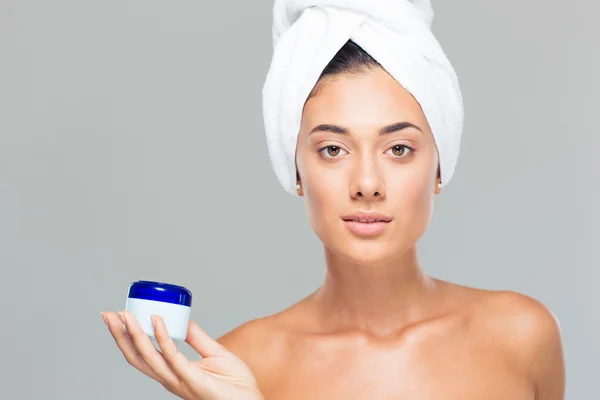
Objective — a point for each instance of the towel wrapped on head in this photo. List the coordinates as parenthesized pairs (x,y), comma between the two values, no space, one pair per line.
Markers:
(396,33)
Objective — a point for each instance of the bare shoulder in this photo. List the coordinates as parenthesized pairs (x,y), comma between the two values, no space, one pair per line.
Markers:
(530,334)
(243,335)
(518,320)
(514,315)
(521,318)
(250,335)
(524,309)
(258,342)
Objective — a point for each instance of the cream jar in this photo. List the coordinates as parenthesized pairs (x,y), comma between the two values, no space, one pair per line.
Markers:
(173,303)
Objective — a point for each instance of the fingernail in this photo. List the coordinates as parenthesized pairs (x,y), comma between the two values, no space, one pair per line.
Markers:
(104,318)
(122,317)
(153,318)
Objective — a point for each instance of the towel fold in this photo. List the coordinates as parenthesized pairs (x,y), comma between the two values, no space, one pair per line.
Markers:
(396,33)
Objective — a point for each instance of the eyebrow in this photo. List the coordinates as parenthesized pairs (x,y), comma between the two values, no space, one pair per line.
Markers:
(398,126)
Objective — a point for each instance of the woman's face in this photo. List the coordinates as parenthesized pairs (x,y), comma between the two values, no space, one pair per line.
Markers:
(349,163)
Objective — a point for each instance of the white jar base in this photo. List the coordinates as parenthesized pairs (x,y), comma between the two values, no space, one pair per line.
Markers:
(176,316)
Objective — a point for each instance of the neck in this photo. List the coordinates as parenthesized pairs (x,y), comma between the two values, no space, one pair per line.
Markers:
(373,299)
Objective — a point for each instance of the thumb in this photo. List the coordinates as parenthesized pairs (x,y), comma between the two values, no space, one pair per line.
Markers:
(202,342)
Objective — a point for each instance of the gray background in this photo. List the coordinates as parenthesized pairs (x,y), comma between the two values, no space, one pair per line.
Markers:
(131,147)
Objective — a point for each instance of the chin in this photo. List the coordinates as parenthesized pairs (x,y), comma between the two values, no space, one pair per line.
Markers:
(366,252)
(374,250)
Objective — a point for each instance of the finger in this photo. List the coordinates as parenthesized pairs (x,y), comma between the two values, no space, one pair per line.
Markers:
(123,341)
(174,358)
(147,351)
(202,342)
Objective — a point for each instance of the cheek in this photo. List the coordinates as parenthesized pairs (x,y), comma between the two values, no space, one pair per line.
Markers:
(322,195)
(324,192)
(412,199)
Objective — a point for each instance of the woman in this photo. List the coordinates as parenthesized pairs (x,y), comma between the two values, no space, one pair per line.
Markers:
(378,327)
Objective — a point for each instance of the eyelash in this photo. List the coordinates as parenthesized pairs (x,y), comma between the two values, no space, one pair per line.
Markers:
(327,158)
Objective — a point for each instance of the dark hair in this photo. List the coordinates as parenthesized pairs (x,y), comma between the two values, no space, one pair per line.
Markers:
(350,59)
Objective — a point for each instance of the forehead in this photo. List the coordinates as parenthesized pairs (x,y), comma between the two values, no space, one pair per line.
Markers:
(372,97)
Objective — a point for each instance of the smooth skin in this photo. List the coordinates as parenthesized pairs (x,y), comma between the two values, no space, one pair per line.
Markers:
(378,327)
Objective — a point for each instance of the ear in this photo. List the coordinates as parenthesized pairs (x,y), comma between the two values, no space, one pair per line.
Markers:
(299,189)
(438,182)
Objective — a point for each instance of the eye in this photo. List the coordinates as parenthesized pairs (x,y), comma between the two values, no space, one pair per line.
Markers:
(400,150)
(330,151)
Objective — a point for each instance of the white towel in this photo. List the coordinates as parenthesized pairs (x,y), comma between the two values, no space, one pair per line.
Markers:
(396,33)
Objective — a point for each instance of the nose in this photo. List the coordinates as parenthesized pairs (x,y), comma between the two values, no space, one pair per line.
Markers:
(367,183)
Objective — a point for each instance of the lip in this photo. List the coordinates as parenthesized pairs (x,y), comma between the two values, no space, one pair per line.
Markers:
(370,215)
(366,228)
(353,223)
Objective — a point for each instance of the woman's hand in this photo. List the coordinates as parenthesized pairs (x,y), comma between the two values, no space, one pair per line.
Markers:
(219,375)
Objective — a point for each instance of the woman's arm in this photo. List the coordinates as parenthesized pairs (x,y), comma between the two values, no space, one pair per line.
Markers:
(536,344)
(547,359)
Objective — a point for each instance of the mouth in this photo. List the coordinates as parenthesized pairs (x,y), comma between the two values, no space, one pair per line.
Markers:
(366,224)
(366,220)
(366,217)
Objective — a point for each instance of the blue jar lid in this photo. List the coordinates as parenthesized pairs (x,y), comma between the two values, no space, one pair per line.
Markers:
(158,291)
